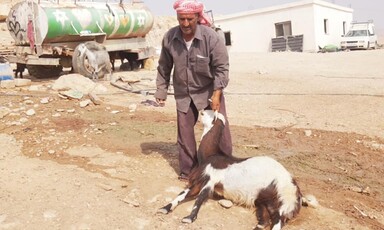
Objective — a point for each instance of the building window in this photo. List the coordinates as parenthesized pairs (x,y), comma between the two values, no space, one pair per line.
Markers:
(326,26)
(228,41)
(283,29)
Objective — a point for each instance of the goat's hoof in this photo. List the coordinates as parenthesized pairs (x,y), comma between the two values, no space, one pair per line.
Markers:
(162,211)
(187,220)
(259,227)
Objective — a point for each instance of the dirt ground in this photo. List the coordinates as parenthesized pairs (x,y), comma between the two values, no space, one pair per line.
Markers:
(113,165)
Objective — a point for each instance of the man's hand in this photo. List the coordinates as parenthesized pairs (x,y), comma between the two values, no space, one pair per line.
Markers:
(160,102)
(215,100)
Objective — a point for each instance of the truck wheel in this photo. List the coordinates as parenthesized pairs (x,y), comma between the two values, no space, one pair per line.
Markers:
(80,61)
(44,71)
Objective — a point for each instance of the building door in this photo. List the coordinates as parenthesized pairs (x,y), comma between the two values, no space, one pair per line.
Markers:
(283,29)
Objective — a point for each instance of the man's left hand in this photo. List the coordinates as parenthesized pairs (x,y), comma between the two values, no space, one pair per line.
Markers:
(215,100)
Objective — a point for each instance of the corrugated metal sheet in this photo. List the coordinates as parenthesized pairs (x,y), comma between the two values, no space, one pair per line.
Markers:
(279,44)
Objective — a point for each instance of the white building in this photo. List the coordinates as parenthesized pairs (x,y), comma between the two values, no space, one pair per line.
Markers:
(307,24)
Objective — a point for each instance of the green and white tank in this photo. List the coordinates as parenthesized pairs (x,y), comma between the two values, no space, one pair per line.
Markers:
(45,22)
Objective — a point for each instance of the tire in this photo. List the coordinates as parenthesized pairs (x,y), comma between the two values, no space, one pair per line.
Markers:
(80,61)
(44,71)
(368,46)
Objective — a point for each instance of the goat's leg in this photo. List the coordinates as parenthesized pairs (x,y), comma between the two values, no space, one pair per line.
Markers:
(201,198)
(95,74)
(171,206)
(261,215)
(188,193)
(274,214)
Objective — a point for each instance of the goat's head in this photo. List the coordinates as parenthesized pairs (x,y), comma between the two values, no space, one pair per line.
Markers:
(208,117)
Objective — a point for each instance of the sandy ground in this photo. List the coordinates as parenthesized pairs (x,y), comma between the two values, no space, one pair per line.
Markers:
(111,166)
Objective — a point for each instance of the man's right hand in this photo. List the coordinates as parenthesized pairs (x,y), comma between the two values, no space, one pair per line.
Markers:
(160,102)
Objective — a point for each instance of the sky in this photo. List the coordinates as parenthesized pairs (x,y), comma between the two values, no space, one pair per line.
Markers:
(364,10)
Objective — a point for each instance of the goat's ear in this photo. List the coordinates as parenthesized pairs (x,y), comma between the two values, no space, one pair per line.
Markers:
(220,117)
(216,115)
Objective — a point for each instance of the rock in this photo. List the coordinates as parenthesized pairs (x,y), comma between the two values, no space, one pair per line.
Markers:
(225,203)
(50,214)
(7,84)
(131,201)
(261,72)
(94,98)
(132,108)
(22,82)
(23,120)
(4,111)
(44,100)
(311,201)
(73,94)
(85,103)
(30,112)
(308,133)
(34,88)
(105,187)
(129,77)
(28,102)
(78,82)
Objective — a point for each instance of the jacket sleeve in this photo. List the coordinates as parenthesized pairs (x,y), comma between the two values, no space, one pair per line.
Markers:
(219,64)
(164,69)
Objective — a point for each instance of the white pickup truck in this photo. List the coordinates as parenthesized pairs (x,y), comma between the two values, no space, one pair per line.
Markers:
(361,35)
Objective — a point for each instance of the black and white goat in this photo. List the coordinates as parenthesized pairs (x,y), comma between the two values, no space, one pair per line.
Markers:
(260,182)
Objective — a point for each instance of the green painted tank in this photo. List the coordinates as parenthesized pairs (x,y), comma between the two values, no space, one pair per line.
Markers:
(46,22)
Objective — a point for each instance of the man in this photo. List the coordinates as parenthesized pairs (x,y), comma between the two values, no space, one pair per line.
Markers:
(200,63)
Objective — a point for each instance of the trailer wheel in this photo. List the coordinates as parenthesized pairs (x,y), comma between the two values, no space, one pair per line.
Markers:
(80,62)
(44,71)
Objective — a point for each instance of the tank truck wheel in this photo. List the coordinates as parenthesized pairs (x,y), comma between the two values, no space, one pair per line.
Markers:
(44,71)
(80,62)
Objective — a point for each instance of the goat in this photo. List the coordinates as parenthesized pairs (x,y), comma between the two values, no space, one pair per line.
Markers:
(20,67)
(132,64)
(260,182)
(97,59)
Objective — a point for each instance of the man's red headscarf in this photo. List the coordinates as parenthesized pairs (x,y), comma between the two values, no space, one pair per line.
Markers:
(192,7)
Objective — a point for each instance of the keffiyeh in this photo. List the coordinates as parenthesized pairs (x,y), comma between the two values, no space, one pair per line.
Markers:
(192,7)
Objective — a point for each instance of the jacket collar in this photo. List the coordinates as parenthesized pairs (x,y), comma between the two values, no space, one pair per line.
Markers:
(198,33)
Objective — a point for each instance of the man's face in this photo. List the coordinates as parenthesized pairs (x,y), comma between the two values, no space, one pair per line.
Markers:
(188,23)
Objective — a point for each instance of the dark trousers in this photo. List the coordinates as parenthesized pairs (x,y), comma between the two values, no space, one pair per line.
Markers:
(186,142)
